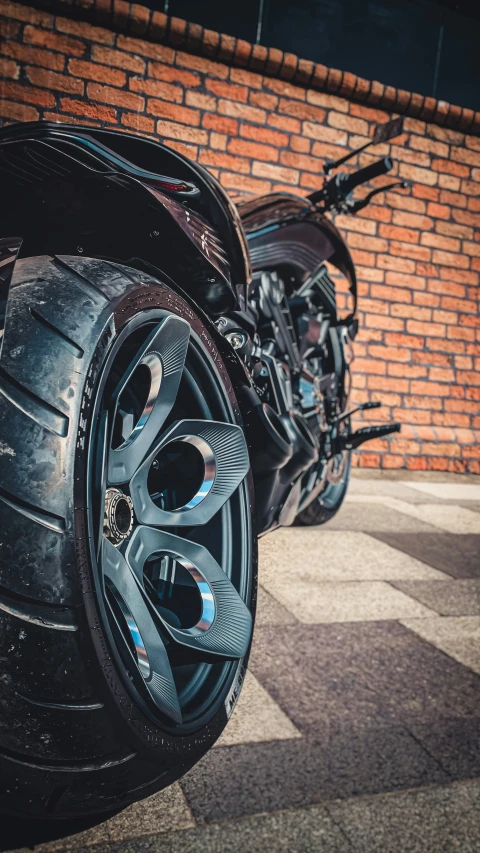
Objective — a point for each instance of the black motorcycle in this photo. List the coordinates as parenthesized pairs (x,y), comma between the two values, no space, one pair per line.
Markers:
(174,382)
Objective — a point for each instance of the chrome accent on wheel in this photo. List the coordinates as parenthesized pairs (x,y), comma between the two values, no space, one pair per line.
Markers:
(163,354)
(150,651)
(225,625)
(222,447)
(119,516)
(169,601)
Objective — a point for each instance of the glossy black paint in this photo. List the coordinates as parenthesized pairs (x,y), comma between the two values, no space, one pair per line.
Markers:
(289,234)
(72,190)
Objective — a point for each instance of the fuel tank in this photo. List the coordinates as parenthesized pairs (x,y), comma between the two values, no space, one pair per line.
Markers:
(288,234)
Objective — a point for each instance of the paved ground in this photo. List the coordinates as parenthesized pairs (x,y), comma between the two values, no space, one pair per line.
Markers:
(359,725)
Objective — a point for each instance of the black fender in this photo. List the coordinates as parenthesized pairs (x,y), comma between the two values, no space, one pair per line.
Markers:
(108,194)
(289,234)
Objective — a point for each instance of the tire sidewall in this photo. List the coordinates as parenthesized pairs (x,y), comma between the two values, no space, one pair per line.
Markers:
(143,733)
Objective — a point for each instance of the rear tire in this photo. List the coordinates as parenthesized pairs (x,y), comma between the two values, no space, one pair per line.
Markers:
(81,730)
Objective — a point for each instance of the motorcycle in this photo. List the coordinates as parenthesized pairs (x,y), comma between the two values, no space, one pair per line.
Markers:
(174,383)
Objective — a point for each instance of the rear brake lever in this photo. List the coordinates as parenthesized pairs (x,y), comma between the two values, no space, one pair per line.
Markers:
(359,205)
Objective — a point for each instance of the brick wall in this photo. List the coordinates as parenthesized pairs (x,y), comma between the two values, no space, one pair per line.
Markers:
(417,253)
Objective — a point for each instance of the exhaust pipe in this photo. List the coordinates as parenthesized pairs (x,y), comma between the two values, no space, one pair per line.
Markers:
(305,448)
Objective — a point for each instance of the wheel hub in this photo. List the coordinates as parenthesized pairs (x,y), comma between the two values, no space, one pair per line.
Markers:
(119,516)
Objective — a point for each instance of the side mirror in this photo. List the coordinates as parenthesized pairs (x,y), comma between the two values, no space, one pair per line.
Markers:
(384,132)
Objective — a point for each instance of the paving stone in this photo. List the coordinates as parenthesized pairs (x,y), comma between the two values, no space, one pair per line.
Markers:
(337,762)
(448,491)
(304,831)
(457,636)
(441,820)
(315,603)
(448,517)
(257,717)
(375,515)
(269,611)
(458,556)
(162,812)
(314,555)
(389,488)
(369,673)
(454,743)
(451,598)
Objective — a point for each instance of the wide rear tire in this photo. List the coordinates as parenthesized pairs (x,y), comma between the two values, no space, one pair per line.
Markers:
(84,629)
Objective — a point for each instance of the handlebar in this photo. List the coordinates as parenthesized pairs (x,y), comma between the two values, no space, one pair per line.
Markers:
(381,167)
(335,192)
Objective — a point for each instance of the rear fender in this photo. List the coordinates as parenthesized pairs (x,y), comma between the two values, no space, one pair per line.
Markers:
(65,192)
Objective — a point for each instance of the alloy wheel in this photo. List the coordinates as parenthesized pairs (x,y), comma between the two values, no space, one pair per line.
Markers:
(170,521)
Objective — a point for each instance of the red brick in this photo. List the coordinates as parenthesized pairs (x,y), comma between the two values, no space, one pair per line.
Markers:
(422,143)
(171,74)
(34,55)
(84,30)
(263,134)
(25,13)
(51,80)
(451,229)
(412,220)
(9,68)
(27,94)
(93,111)
(98,73)
(109,56)
(246,78)
(428,192)
(183,132)
(286,89)
(139,47)
(182,115)
(450,259)
(53,41)
(201,101)
(438,211)
(451,168)
(291,125)
(242,111)
(241,182)
(438,241)
(17,111)
(225,161)
(393,232)
(115,97)
(373,244)
(138,122)
(455,199)
(253,150)
(407,250)
(227,90)
(464,155)
(405,202)
(429,389)
(348,123)
(220,124)
(261,99)
(205,66)
(417,174)
(300,110)
(275,173)
(157,88)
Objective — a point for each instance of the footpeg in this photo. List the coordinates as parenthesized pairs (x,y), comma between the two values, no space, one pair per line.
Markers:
(355,439)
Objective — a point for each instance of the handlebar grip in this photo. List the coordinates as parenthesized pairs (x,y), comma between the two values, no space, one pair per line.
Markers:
(381,167)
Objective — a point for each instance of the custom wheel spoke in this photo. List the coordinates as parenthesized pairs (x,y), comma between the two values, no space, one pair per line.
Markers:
(168,458)
(158,366)
(222,623)
(160,493)
(150,654)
